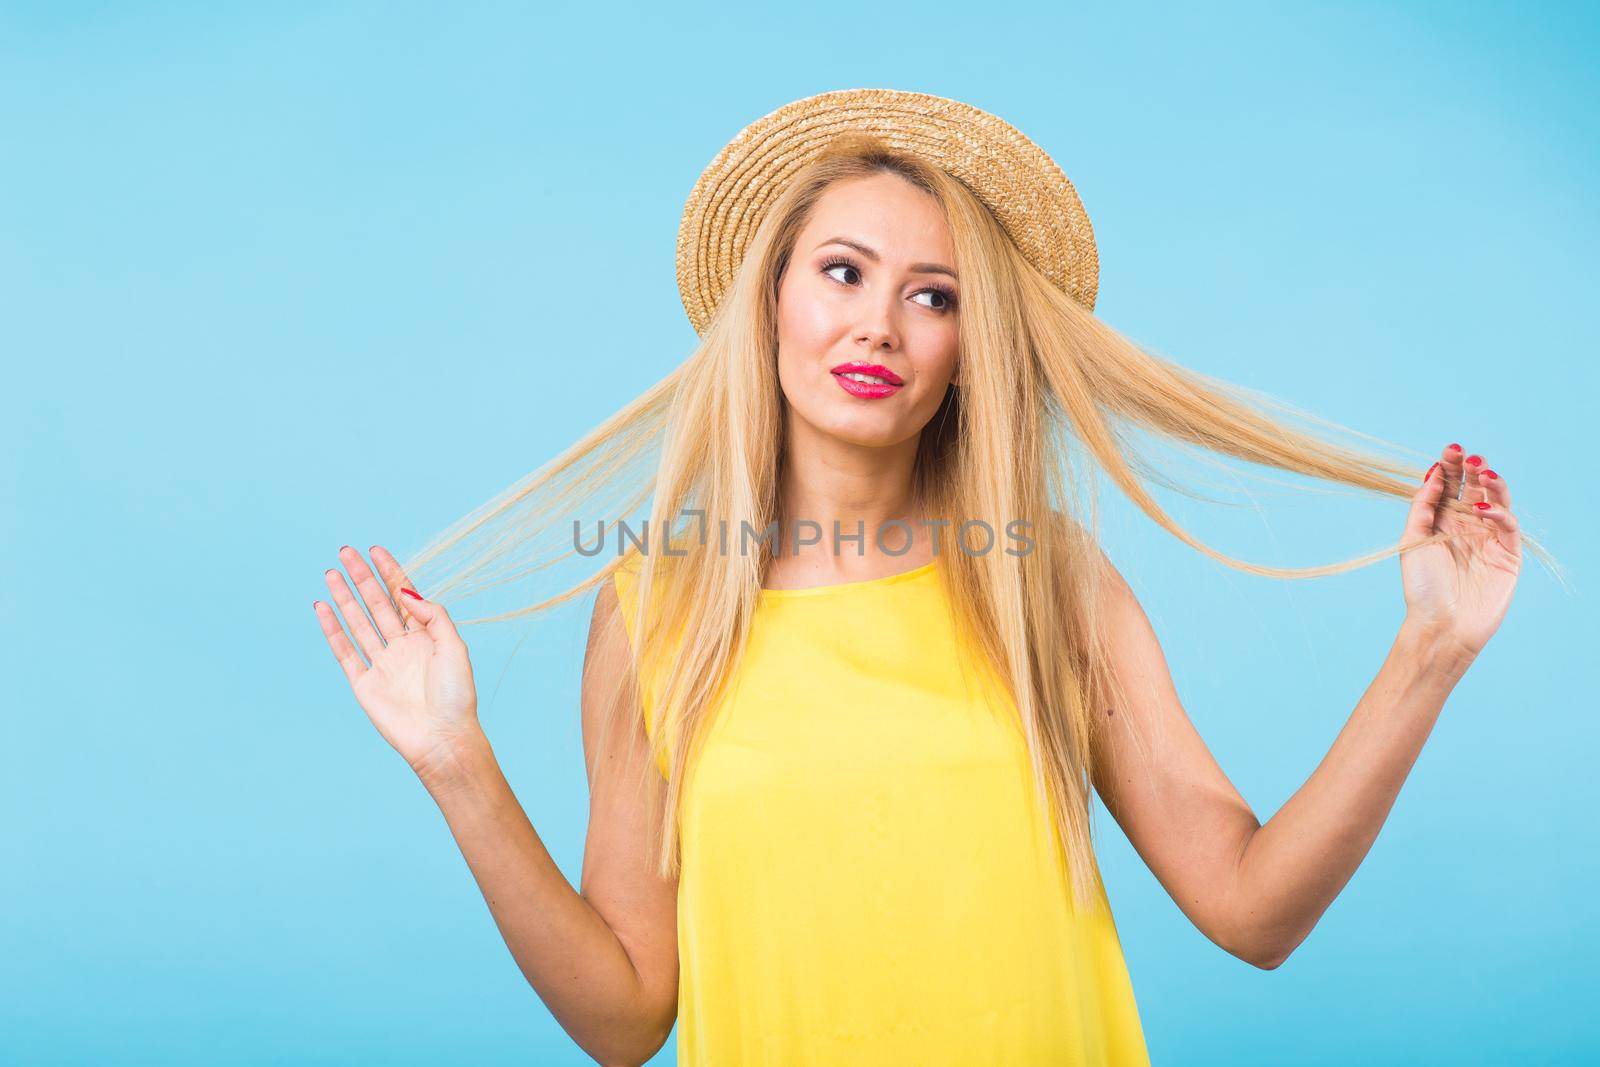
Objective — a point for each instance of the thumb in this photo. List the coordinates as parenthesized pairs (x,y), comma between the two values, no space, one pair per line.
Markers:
(1424,506)
(433,616)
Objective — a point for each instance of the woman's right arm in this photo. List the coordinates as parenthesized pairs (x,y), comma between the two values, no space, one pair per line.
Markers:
(603,960)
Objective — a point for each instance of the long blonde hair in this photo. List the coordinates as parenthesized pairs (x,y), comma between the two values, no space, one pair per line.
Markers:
(1047,388)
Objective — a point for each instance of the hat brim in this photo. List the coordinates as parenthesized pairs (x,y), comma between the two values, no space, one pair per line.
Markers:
(1013,177)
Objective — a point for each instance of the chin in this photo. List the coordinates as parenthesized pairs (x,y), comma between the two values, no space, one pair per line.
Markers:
(869,429)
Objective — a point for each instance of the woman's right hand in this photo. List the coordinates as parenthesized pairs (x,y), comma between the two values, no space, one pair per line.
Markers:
(415,683)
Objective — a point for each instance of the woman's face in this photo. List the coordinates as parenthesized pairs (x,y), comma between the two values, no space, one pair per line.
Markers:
(870,282)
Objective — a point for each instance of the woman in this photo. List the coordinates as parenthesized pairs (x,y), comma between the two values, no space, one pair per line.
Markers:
(869,837)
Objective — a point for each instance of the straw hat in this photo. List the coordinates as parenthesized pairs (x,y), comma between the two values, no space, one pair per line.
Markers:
(1011,175)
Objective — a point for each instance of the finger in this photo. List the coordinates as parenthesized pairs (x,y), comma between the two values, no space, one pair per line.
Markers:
(434,618)
(354,618)
(373,593)
(1508,531)
(1424,503)
(1450,464)
(343,651)
(394,579)
(1495,488)
(1472,491)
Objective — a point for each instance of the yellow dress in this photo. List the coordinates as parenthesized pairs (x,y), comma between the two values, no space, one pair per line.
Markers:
(867,877)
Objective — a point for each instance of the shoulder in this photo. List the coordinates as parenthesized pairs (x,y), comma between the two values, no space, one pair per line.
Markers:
(607,632)
(640,616)
(629,570)
(1074,543)
(618,598)
(663,557)
(1077,548)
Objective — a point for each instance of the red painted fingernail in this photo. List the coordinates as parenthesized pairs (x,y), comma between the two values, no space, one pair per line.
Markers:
(1474,459)
(1489,473)
(409,593)
(1453,447)
(1431,469)
(1483,505)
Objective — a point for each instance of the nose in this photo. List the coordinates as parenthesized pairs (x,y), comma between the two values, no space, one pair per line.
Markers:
(878,340)
(878,330)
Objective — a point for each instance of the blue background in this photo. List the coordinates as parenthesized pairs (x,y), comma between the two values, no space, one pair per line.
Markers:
(238,244)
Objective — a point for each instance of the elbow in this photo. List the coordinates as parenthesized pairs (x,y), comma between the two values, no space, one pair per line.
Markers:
(1268,962)
(1268,953)
(1261,939)
(633,1050)
(665,1021)
(626,1061)
(640,1055)
(636,1060)
(1259,948)
(1262,956)
(660,1039)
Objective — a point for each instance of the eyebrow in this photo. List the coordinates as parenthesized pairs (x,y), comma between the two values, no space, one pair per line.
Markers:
(916,268)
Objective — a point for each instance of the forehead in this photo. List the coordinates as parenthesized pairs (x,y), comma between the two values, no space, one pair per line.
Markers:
(884,212)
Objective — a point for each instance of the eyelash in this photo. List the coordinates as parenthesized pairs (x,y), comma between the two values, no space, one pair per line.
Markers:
(948,294)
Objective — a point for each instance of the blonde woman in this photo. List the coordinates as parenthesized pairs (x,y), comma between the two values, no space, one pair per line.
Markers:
(840,778)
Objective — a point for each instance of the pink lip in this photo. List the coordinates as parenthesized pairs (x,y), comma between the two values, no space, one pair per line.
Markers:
(874,369)
(867,390)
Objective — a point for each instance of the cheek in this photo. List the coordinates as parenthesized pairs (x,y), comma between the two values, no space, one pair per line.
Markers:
(812,334)
(804,320)
(941,348)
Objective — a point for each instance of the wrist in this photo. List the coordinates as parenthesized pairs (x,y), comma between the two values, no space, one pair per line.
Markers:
(1435,647)
(454,762)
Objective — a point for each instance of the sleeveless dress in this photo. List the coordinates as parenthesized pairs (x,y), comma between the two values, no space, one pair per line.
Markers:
(867,877)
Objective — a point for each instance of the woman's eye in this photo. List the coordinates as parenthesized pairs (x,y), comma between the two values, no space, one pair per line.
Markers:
(947,303)
(839,266)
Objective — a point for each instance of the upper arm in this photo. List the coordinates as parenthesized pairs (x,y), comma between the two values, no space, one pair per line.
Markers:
(1158,779)
(625,789)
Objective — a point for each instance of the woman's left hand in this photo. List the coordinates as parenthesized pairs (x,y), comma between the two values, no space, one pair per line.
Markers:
(1459,590)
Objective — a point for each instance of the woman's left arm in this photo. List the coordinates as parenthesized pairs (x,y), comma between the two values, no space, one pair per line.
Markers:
(1258,890)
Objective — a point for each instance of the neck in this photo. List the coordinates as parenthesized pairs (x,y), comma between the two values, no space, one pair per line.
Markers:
(829,485)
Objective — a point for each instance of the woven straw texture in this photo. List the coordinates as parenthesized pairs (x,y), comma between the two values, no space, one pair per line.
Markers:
(1020,184)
